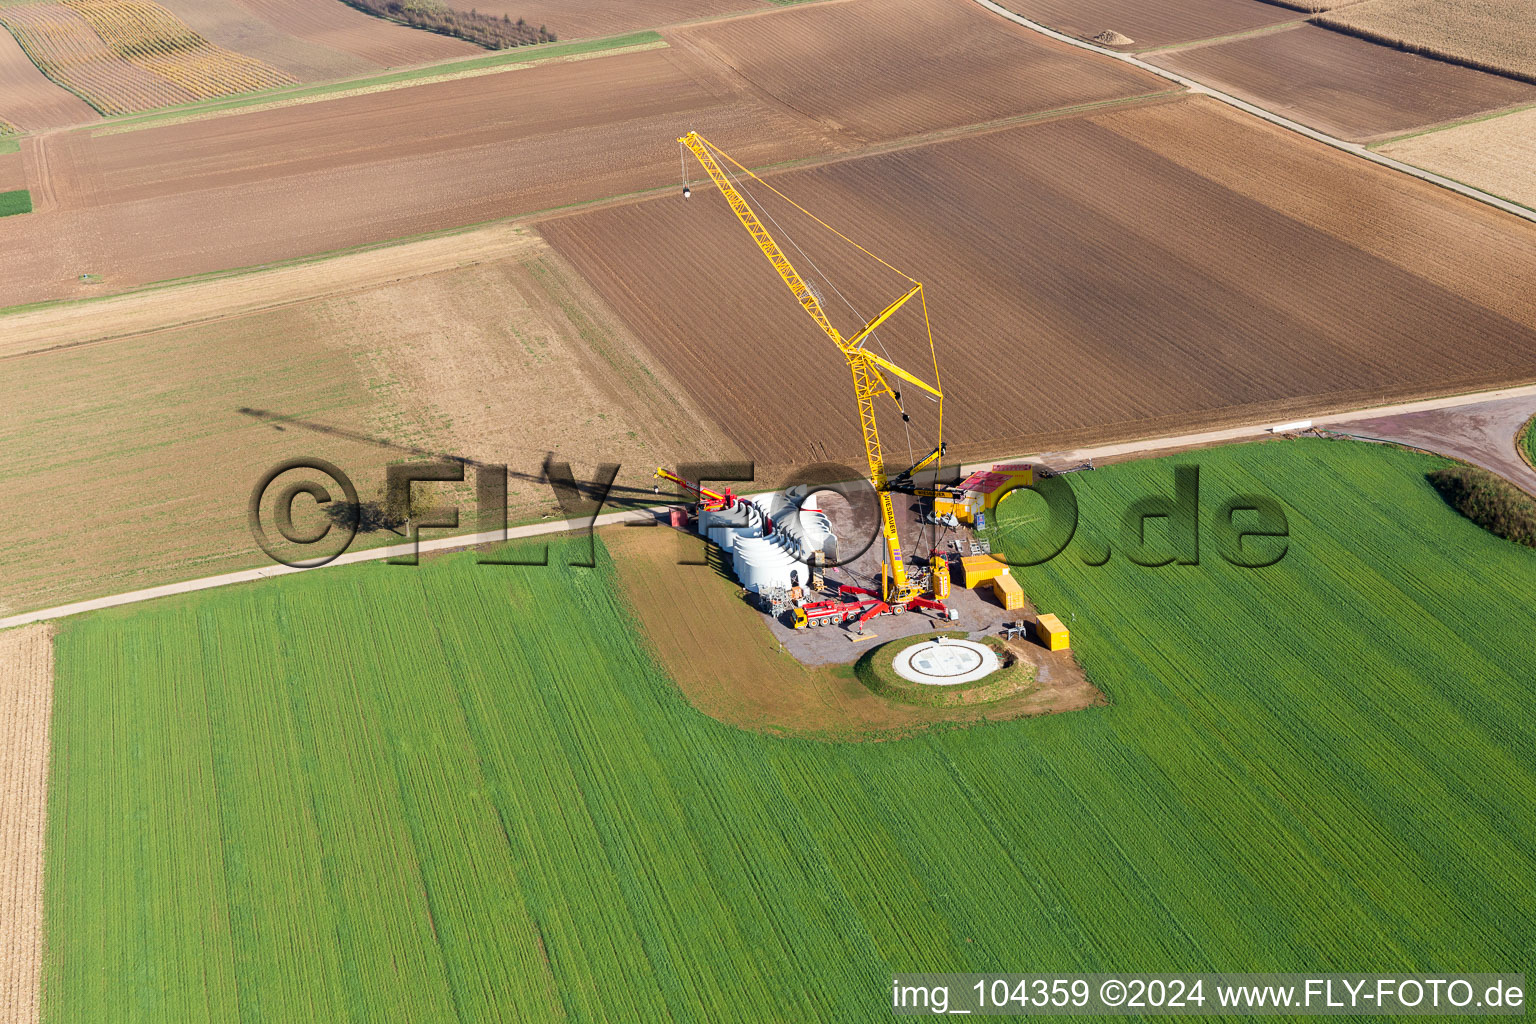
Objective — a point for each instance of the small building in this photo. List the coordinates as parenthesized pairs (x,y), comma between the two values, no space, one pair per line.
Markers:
(991,486)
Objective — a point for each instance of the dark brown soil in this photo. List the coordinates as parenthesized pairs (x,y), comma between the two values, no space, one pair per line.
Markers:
(1343,85)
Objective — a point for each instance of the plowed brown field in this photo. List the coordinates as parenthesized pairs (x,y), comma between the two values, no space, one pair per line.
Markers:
(1345,85)
(1152,22)
(1125,274)
(335,25)
(289,182)
(28,99)
(583,19)
(26,702)
(916,66)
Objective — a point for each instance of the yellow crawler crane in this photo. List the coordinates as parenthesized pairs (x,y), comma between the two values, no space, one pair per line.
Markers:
(869,370)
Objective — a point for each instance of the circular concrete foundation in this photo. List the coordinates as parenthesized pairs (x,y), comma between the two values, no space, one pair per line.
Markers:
(946,662)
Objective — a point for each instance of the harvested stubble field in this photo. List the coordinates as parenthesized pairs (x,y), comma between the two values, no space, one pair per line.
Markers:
(1130,273)
(484,346)
(581,19)
(289,182)
(465,793)
(1497,155)
(1493,34)
(26,704)
(234,26)
(131,55)
(1344,85)
(336,26)
(1152,22)
(919,65)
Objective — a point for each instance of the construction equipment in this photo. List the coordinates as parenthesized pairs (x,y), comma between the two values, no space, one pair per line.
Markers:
(940,576)
(715,501)
(871,372)
(911,604)
(826,613)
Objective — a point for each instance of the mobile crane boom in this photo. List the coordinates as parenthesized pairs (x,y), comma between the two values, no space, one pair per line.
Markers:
(869,370)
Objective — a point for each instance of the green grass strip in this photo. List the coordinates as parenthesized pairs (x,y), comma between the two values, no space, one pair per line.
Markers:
(19,201)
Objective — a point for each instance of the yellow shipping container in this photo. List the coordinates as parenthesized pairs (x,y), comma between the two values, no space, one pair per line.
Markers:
(978,569)
(1053,634)
(1009,594)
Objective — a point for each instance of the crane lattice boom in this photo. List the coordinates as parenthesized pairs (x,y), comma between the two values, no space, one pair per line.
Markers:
(869,370)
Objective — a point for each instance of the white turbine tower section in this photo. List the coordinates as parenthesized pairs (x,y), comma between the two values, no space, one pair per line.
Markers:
(779,560)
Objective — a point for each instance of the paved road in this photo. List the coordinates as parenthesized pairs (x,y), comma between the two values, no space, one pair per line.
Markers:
(1284,122)
(1445,407)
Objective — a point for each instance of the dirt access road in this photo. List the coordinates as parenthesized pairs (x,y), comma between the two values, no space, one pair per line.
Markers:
(1121,449)
(26,703)
(1484,434)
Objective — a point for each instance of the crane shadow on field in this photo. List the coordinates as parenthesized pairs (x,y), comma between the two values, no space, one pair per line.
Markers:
(619,496)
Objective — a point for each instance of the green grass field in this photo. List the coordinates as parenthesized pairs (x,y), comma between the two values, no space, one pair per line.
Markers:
(1528,439)
(464,793)
(19,201)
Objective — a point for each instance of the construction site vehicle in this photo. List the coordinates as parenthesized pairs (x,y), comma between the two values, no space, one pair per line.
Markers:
(912,604)
(871,373)
(1008,593)
(827,613)
(978,569)
(1050,632)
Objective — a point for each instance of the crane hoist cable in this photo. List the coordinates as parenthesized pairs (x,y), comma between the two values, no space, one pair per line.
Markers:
(870,372)
(906,422)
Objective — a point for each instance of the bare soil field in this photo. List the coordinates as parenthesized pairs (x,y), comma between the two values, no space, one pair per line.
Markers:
(230,25)
(919,65)
(489,349)
(1493,34)
(289,182)
(1344,85)
(1152,22)
(690,614)
(28,99)
(26,704)
(336,26)
(1126,274)
(584,19)
(1497,155)
(13,172)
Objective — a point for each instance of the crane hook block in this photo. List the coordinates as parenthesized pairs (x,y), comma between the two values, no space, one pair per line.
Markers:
(687,191)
